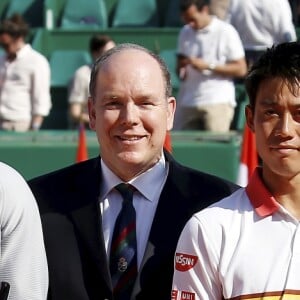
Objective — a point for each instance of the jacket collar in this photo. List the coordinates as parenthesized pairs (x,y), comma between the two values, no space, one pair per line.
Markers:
(260,197)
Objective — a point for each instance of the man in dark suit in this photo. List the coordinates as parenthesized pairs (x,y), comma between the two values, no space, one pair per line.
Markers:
(131,109)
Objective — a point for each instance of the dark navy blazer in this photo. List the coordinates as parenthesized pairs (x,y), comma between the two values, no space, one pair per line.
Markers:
(72,226)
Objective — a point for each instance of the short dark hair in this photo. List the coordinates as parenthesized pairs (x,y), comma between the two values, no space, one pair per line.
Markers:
(186,4)
(127,46)
(15,26)
(98,41)
(281,61)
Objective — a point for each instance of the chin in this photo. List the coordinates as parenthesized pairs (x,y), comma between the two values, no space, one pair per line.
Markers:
(131,157)
(287,171)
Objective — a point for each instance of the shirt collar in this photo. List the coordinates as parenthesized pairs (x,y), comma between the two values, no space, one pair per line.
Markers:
(19,54)
(209,26)
(23,50)
(144,183)
(260,197)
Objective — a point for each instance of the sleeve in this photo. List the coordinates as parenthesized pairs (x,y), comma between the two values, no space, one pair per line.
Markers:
(183,42)
(23,261)
(40,93)
(286,26)
(195,266)
(229,17)
(234,45)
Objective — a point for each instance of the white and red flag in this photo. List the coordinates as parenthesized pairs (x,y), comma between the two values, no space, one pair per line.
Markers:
(248,157)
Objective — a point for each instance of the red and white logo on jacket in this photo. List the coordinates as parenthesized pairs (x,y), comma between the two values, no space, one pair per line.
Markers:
(174,294)
(185,262)
(187,296)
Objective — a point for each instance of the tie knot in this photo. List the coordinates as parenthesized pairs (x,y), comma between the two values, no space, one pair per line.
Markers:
(126,190)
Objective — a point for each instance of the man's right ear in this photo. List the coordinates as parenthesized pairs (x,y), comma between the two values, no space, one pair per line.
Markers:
(92,113)
(249,113)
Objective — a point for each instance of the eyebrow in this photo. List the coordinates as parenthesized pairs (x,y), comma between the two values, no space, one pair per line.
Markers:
(272,102)
(111,96)
(268,101)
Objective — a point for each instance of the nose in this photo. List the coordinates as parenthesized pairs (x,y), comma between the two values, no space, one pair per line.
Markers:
(129,114)
(284,127)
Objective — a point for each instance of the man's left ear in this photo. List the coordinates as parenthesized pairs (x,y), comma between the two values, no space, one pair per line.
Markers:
(171,112)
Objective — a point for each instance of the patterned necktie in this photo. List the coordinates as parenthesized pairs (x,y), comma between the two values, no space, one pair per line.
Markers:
(123,253)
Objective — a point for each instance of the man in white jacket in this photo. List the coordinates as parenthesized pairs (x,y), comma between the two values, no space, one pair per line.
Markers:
(246,246)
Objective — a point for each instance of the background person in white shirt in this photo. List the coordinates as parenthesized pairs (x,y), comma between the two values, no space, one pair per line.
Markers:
(23,261)
(79,89)
(24,79)
(210,56)
(260,24)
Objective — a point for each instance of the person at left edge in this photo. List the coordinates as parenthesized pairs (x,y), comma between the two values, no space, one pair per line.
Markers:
(23,263)
(130,108)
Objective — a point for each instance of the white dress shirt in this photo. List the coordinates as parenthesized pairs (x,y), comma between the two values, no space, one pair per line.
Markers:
(24,86)
(149,185)
(262,23)
(217,43)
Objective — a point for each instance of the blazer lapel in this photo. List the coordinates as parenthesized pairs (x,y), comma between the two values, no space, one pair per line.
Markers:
(87,219)
(163,234)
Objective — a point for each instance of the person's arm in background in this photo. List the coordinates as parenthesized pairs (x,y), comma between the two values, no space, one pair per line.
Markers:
(286,26)
(36,122)
(40,94)
(78,94)
(23,263)
(182,62)
(77,114)
(182,58)
(234,68)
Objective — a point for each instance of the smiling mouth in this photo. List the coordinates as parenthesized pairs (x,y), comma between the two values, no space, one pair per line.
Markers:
(286,147)
(130,138)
